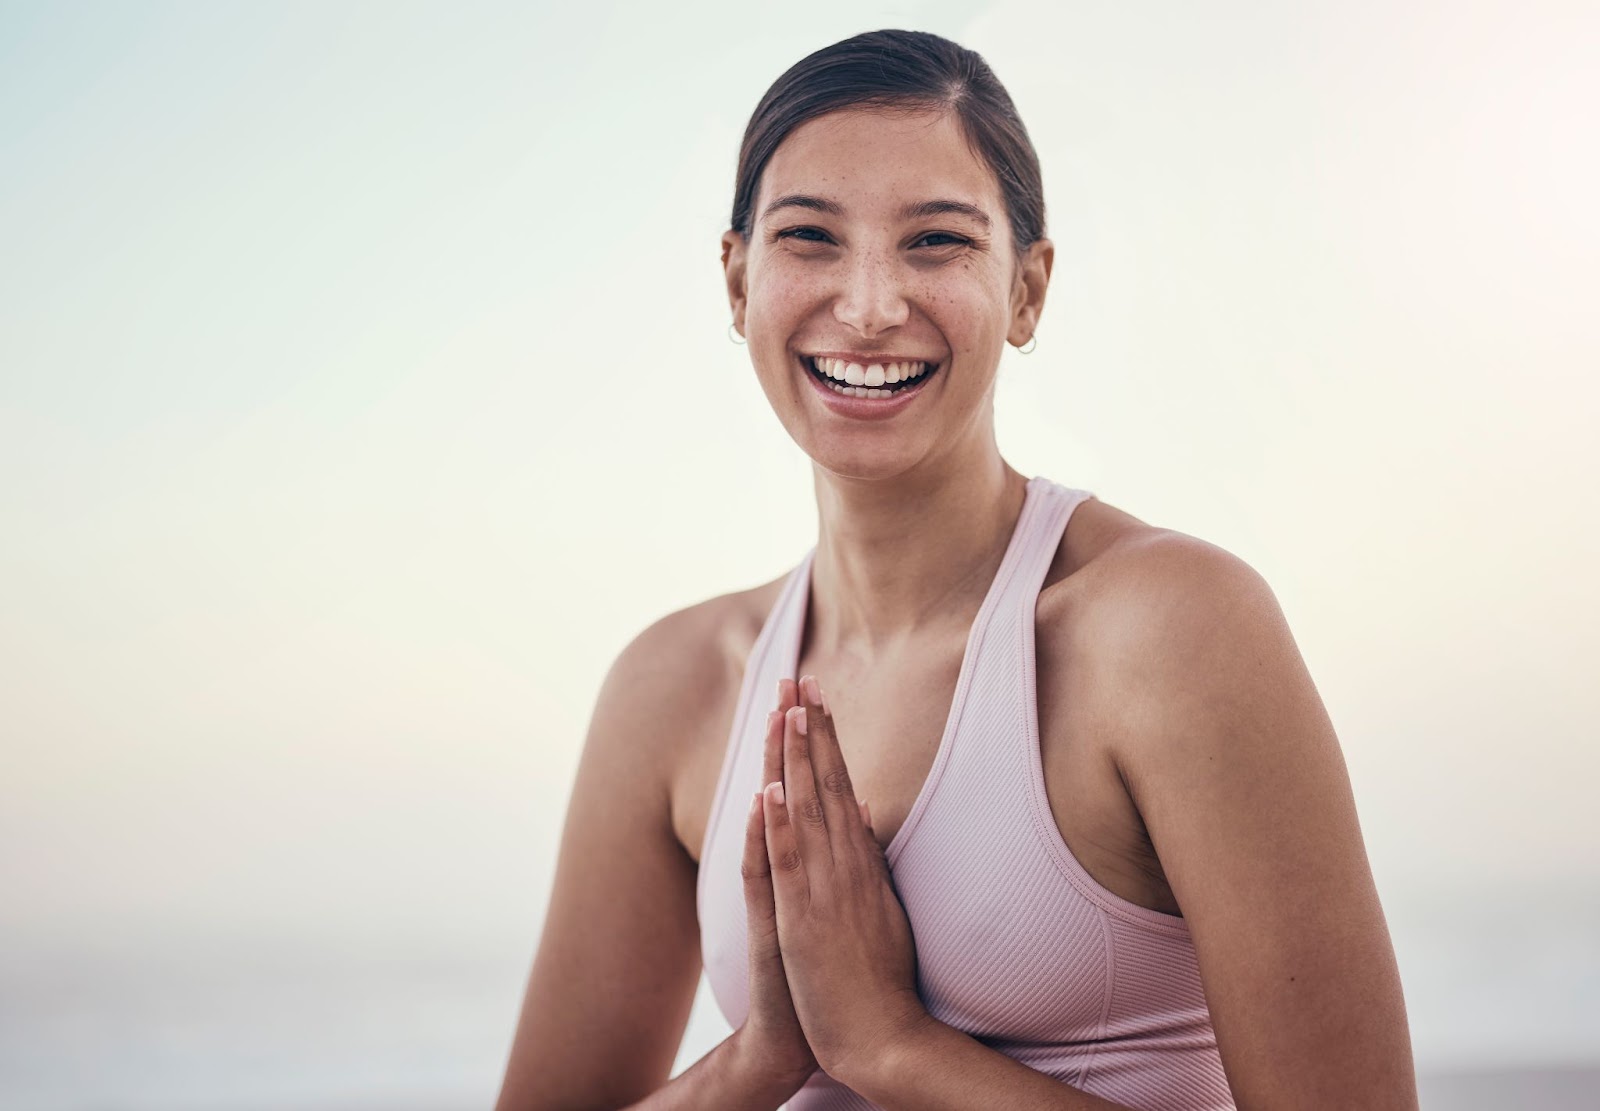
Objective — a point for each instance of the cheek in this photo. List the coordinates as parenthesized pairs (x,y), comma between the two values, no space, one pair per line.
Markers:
(787,290)
(966,286)
(965,306)
(976,284)
(978,304)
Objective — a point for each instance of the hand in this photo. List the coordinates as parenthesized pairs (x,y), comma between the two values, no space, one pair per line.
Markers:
(848,954)
(772,1029)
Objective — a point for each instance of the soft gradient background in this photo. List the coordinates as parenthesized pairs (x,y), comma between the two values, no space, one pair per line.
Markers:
(364,387)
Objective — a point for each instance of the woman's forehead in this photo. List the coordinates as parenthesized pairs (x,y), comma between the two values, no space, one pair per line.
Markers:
(875,163)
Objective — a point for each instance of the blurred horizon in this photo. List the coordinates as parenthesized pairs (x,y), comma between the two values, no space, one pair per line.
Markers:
(340,394)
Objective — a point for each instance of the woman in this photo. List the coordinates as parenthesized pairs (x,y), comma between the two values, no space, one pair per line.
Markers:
(1111,857)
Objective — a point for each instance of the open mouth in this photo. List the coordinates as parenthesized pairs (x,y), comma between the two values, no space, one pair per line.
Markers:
(907,375)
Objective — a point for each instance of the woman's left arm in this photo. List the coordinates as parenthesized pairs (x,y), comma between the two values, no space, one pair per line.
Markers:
(1234,765)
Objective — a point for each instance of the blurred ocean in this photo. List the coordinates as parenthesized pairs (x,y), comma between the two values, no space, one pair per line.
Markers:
(1504,1001)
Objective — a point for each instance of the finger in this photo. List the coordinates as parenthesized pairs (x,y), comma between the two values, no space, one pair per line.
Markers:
(761,912)
(806,817)
(772,751)
(873,845)
(790,889)
(827,758)
(757,871)
(772,754)
(872,834)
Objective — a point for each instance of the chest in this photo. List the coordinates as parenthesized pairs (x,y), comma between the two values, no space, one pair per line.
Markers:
(890,728)
(892,714)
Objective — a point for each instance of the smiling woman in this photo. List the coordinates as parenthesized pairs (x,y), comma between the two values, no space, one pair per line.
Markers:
(878,246)
(1111,857)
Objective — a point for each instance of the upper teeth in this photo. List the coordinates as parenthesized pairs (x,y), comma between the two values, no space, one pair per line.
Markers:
(869,374)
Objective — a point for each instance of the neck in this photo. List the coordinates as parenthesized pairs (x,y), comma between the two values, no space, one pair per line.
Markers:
(897,558)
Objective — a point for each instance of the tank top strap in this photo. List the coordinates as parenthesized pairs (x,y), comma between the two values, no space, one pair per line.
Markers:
(789,614)
(767,661)
(1046,513)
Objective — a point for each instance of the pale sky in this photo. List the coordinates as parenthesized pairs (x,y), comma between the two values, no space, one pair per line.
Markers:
(365,387)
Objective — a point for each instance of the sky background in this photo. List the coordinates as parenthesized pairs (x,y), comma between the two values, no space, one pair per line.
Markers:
(365,387)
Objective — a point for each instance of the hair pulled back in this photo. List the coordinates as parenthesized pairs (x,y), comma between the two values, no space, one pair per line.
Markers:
(895,70)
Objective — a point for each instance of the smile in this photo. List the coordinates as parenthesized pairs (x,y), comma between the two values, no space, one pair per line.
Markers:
(868,380)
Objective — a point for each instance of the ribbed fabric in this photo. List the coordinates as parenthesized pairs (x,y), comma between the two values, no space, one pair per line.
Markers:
(1017,945)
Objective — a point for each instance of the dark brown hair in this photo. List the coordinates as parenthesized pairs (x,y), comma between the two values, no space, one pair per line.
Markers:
(893,70)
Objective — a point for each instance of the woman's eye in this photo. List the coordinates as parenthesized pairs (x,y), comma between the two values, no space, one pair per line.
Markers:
(804,234)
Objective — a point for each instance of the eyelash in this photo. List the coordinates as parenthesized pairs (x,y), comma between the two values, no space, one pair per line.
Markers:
(959,240)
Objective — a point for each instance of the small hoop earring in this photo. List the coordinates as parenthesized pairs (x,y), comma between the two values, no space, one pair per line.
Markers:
(734,337)
(1027,348)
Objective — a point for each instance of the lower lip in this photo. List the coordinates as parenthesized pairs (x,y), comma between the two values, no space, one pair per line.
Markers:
(868,408)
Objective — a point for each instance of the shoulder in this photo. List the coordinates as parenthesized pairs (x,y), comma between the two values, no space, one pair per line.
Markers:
(1168,599)
(1165,627)
(671,681)
(687,645)
(1128,588)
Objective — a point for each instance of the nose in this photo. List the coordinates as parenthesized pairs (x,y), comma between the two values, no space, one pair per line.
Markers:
(872,300)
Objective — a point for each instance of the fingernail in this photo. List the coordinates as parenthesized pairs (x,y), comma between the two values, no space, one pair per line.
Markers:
(772,719)
(780,690)
(778,783)
(800,720)
(755,801)
(813,689)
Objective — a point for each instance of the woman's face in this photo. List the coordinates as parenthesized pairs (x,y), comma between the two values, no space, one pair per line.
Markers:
(840,262)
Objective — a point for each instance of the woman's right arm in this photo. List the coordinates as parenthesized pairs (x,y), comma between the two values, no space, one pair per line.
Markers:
(618,959)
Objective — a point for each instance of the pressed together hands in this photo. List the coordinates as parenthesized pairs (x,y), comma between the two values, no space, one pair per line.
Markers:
(832,963)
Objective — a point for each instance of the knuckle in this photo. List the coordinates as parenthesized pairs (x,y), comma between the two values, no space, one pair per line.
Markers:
(811,811)
(837,782)
(789,860)
(753,873)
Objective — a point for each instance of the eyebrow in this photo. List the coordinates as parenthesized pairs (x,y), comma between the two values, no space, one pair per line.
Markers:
(915,211)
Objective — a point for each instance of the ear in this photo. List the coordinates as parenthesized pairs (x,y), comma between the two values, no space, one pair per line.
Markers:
(1027,293)
(733,257)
